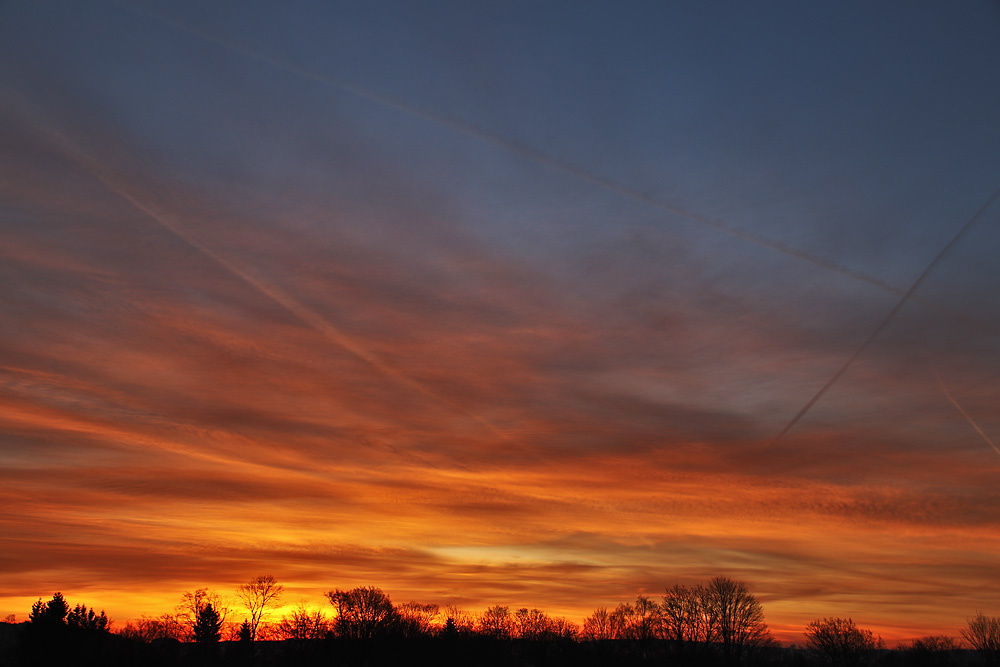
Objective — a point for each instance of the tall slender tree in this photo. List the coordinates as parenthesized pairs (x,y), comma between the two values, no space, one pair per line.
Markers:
(258,595)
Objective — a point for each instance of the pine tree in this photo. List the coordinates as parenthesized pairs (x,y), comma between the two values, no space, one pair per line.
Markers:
(207,625)
(52,613)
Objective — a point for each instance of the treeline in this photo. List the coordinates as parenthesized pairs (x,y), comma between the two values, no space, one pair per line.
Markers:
(717,623)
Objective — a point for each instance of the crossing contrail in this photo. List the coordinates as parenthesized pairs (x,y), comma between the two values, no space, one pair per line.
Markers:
(540,157)
(888,318)
(966,414)
(114,182)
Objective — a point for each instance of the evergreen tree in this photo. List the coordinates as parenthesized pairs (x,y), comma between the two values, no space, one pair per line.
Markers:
(207,625)
(51,613)
(87,619)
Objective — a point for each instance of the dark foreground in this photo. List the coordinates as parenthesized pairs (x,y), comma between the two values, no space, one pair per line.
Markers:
(20,647)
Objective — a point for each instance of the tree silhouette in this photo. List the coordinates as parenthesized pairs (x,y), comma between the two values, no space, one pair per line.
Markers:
(735,618)
(87,619)
(258,595)
(362,613)
(463,622)
(840,642)
(533,624)
(207,625)
(564,628)
(416,618)
(983,633)
(192,604)
(936,651)
(641,621)
(245,633)
(145,629)
(685,615)
(496,622)
(601,625)
(49,614)
(303,624)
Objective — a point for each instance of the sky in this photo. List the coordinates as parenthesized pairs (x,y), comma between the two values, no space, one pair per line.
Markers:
(535,304)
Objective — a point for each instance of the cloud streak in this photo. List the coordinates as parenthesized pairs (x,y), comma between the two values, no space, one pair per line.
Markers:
(170,222)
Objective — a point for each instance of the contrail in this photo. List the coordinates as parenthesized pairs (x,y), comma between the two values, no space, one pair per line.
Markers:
(173,224)
(965,414)
(888,318)
(550,162)
(519,149)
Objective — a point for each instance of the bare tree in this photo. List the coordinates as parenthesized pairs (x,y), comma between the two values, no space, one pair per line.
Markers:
(840,642)
(602,624)
(363,613)
(934,651)
(417,618)
(259,594)
(565,628)
(533,624)
(685,615)
(496,622)
(735,618)
(192,604)
(983,633)
(645,620)
(147,629)
(303,624)
(458,621)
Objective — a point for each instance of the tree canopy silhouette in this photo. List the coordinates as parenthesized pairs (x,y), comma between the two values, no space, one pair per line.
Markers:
(192,604)
(840,642)
(207,625)
(735,617)
(362,613)
(87,619)
(259,594)
(51,613)
(983,633)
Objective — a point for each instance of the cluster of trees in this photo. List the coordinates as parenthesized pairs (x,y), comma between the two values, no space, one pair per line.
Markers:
(720,621)
(202,616)
(723,614)
(56,613)
(841,643)
(360,613)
